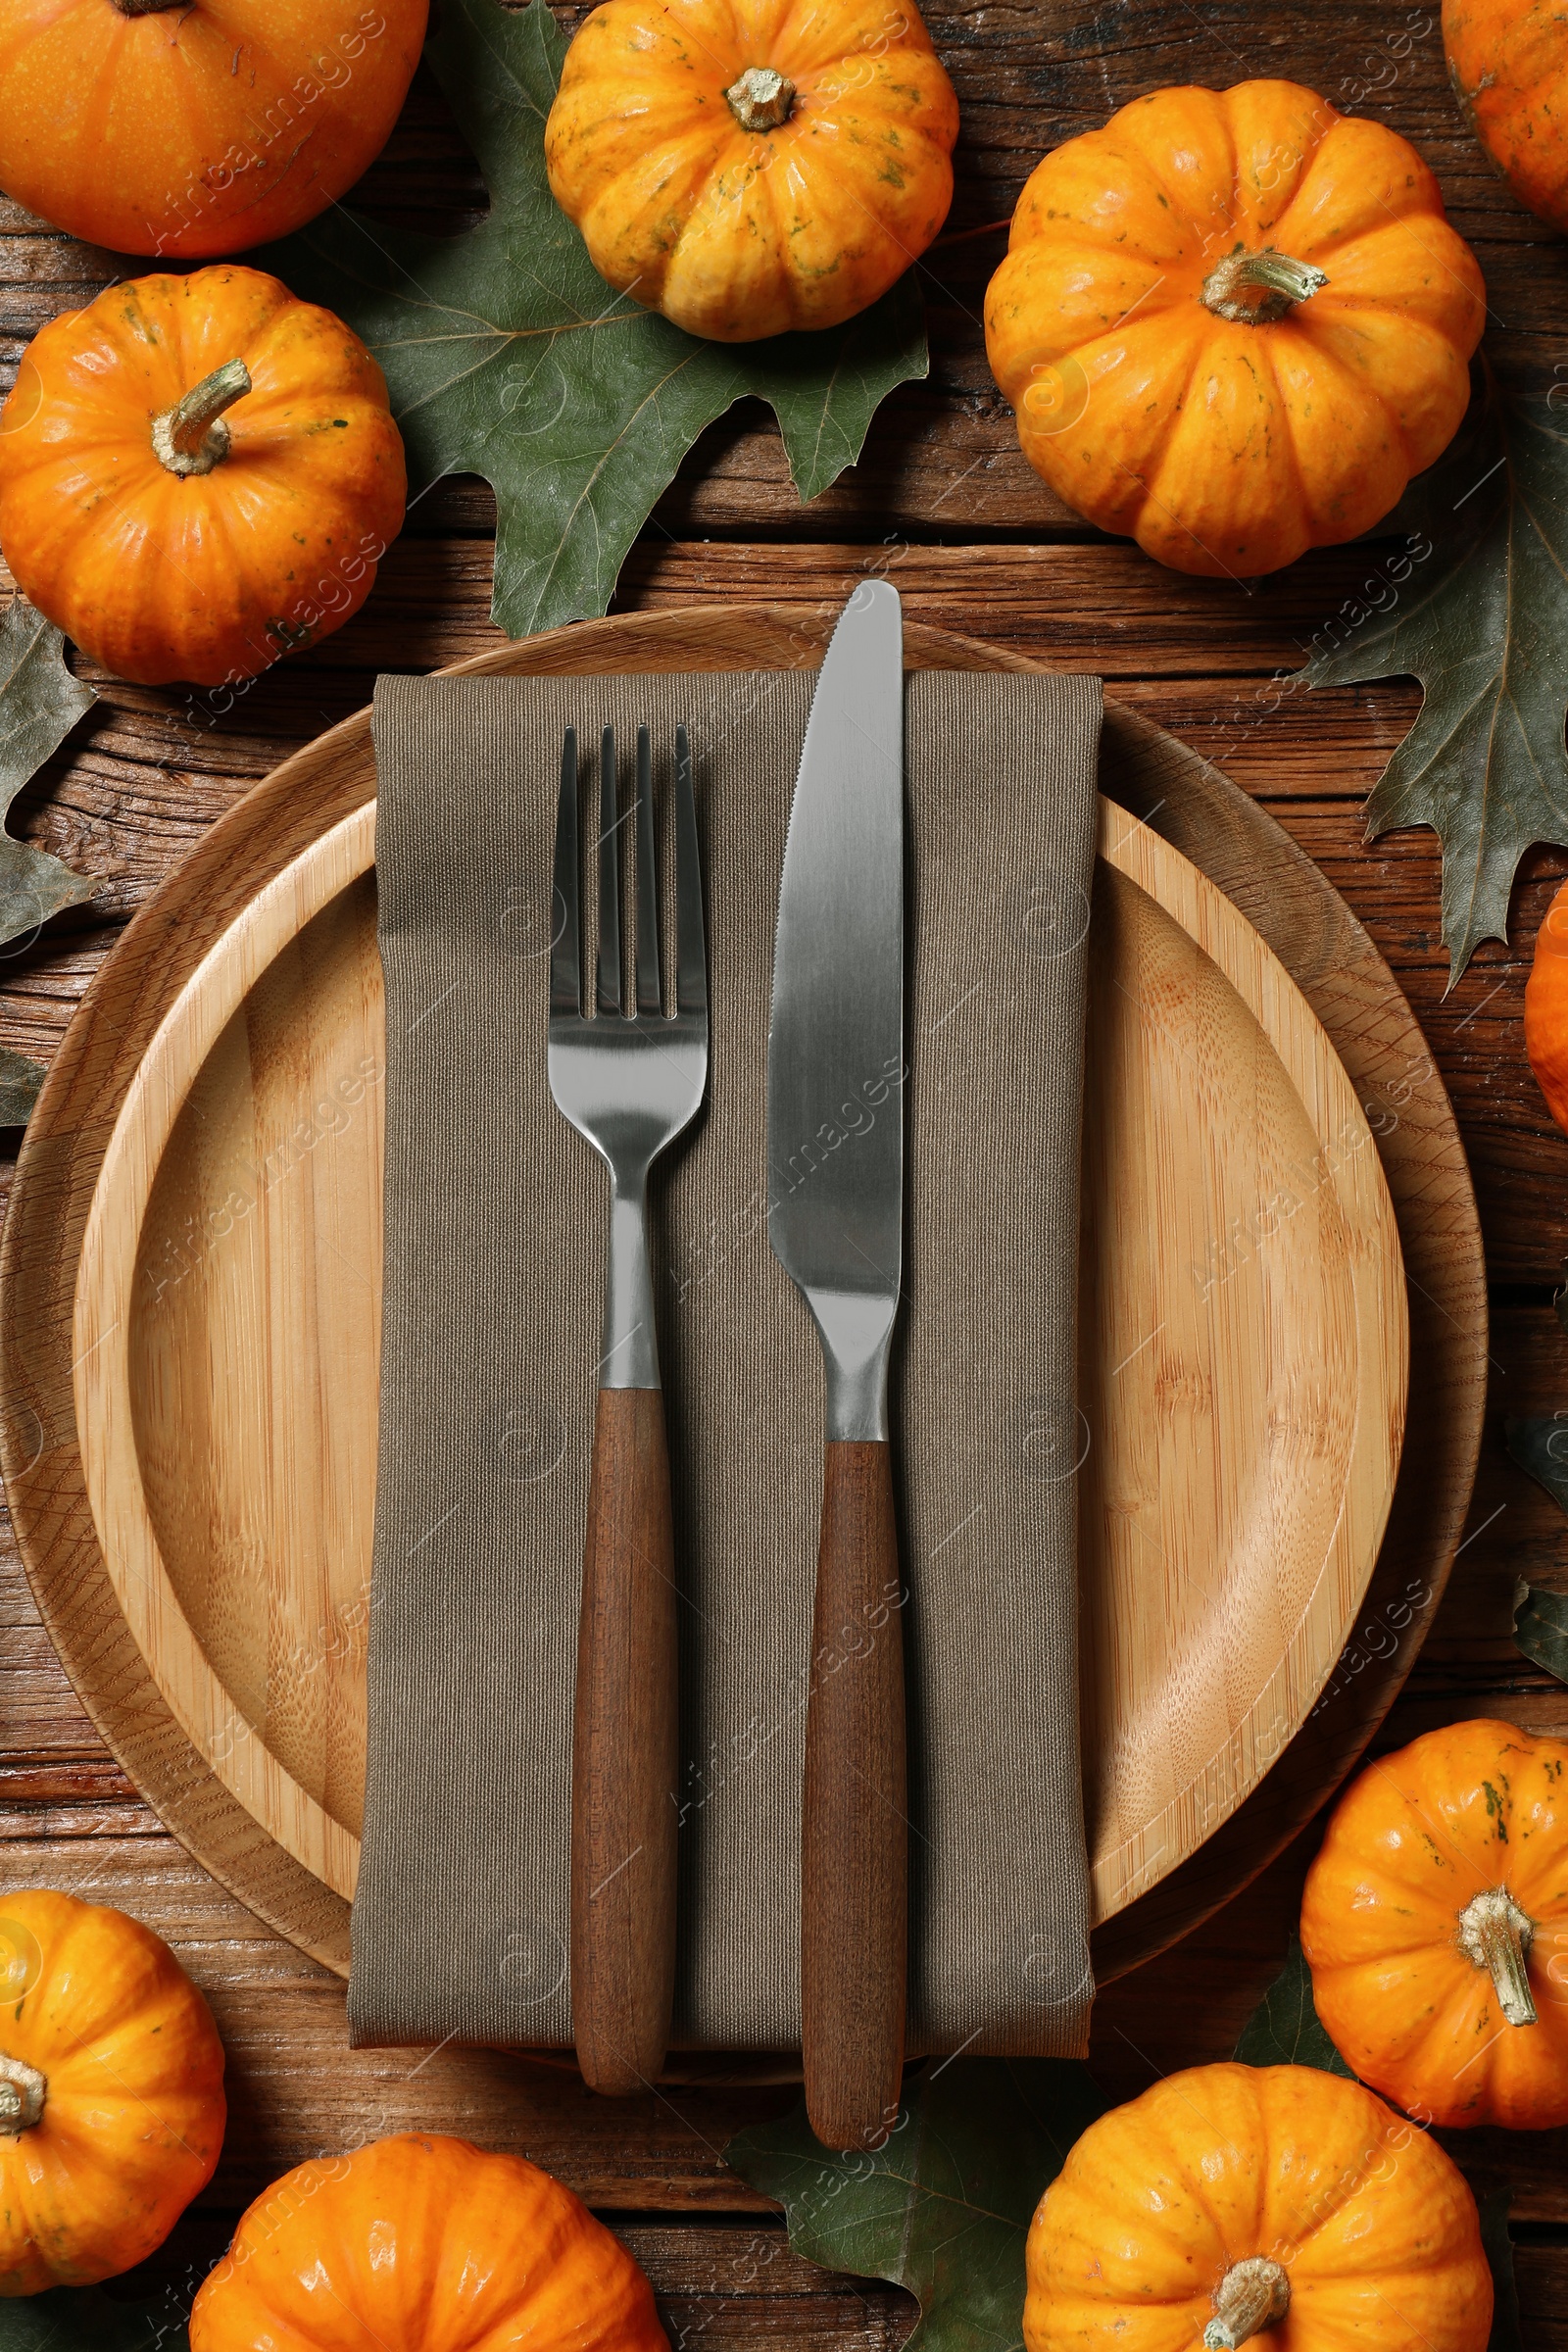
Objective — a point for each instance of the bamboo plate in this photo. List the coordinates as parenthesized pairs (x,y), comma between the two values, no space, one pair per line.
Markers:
(1249,1402)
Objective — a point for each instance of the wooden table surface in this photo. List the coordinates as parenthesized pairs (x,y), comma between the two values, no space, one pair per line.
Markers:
(945,506)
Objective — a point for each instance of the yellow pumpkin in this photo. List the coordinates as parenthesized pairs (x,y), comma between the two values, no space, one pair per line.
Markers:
(746,166)
(198,474)
(1234,324)
(424,2244)
(1233,2201)
(1435,1921)
(111,2092)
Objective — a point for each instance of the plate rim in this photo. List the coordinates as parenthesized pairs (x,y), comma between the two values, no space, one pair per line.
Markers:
(1320,942)
(190,1028)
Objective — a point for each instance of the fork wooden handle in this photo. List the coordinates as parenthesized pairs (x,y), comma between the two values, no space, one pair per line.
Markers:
(624,1756)
(854,1828)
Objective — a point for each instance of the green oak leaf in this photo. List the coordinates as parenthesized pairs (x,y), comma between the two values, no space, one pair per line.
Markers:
(944,2207)
(83,2319)
(40,701)
(1285,2029)
(1477,608)
(507,354)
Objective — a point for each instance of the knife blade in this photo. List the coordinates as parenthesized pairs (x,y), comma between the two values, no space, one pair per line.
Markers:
(834,1148)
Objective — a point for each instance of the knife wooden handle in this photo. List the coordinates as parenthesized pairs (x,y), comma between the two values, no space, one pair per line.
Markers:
(625,1765)
(854,1829)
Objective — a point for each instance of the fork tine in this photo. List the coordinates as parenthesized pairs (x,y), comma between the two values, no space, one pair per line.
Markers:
(691,947)
(610,998)
(650,990)
(565,945)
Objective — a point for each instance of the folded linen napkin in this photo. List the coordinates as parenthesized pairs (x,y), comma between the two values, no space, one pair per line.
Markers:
(495,1232)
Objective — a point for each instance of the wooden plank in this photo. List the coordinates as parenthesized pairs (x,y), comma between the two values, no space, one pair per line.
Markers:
(116,814)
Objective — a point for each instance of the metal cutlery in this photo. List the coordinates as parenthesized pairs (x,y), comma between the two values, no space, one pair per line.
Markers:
(835,1149)
(628,1079)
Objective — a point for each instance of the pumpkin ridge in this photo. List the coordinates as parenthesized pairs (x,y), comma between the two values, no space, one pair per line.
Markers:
(1147,471)
(1423,197)
(92,135)
(1220,340)
(1132,161)
(1367,393)
(1281,400)
(18,44)
(1347,2184)
(1172,2158)
(1176,198)
(1431,1807)
(778,242)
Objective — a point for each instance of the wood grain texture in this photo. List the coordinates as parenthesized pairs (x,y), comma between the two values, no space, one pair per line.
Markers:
(246,1236)
(625,1763)
(854,1833)
(150,769)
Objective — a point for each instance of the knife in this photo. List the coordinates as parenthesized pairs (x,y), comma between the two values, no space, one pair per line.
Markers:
(835,1151)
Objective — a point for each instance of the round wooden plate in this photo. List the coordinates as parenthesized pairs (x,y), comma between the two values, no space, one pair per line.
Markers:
(225,1339)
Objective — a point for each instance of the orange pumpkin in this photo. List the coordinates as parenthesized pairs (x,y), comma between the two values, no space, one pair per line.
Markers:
(1547,1008)
(1435,1925)
(1232,2201)
(188,128)
(1509,63)
(111,2092)
(417,2244)
(745,168)
(1232,323)
(198,474)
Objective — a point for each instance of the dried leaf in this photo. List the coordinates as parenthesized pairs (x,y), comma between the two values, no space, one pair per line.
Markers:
(944,2207)
(508,355)
(40,701)
(1541,1628)
(20,1081)
(1477,608)
(1539,1444)
(1283,2029)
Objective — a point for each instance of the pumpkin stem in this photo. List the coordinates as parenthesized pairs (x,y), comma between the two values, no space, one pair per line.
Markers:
(761,99)
(192,437)
(1497,1936)
(145,8)
(22,2090)
(1252,2294)
(1252,289)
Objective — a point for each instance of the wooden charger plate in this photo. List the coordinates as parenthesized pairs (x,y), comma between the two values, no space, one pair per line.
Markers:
(196,1234)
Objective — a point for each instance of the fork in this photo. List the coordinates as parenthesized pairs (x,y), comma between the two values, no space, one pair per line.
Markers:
(628,1081)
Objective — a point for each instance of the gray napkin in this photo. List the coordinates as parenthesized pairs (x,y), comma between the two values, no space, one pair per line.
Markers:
(495,1224)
